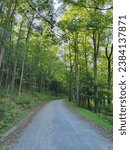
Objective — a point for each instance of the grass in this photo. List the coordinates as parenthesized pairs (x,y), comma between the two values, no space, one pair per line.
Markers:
(14,108)
(102,121)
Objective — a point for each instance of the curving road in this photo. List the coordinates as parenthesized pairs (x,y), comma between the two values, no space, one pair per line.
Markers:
(55,127)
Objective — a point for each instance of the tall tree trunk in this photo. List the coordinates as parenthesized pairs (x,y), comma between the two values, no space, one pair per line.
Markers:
(6,79)
(95,84)
(2,48)
(6,25)
(22,70)
(39,81)
(10,59)
(16,61)
(70,75)
(96,41)
(2,74)
(109,59)
(76,67)
(86,67)
(25,55)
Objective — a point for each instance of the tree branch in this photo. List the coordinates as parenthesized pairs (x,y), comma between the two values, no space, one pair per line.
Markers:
(96,8)
(38,13)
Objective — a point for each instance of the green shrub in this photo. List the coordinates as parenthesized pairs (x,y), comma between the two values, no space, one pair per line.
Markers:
(25,101)
(106,109)
(11,112)
(43,96)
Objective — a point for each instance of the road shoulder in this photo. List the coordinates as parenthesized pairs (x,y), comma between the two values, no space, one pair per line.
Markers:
(99,129)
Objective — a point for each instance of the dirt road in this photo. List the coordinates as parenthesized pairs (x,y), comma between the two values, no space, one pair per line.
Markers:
(55,127)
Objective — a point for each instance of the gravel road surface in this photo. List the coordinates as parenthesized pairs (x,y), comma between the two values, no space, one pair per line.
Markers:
(55,127)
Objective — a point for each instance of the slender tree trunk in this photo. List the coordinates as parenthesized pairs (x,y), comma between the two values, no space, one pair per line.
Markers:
(39,81)
(70,75)
(25,55)
(76,68)
(96,40)
(16,61)
(10,59)
(13,78)
(6,25)
(22,71)
(2,48)
(87,89)
(6,79)
(2,74)
(109,59)
(95,84)
(86,67)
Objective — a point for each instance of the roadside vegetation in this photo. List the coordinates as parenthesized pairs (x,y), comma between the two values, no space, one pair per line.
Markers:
(101,120)
(14,108)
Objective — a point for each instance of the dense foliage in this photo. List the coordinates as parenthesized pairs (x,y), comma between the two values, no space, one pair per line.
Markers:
(66,49)
(86,28)
(28,48)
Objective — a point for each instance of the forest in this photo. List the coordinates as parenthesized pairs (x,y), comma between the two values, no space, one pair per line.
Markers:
(57,47)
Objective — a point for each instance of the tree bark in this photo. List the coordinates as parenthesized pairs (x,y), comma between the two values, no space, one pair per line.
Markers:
(109,59)
(76,68)
(70,75)
(86,67)
(6,25)
(96,41)
(16,61)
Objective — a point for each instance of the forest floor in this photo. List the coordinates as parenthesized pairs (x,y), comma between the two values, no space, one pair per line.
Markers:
(55,127)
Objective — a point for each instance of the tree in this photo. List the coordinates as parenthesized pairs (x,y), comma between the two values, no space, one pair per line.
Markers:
(26,51)
(30,47)
(109,59)
(6,24)
(70,54)
(91,22)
